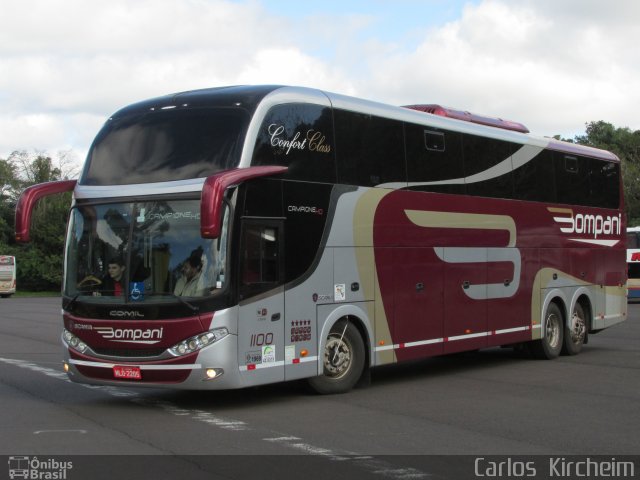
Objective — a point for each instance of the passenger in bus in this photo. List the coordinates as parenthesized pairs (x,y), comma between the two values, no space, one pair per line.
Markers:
(112,284)
(189,285)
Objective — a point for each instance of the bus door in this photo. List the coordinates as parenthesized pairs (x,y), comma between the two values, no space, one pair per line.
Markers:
(261,342)
(418,302)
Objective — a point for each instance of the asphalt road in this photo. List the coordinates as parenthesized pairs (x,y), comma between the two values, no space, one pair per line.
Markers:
(493,402)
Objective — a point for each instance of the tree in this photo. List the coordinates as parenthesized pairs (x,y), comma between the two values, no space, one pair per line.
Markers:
(625,143)
(40,262)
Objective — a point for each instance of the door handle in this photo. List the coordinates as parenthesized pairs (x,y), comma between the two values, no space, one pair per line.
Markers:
(275,317)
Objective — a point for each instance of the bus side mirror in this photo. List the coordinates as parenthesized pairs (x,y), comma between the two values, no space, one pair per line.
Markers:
(214,188)
(28,200)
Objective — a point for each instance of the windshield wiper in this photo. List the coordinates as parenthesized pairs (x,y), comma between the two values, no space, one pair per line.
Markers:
(69,304)
(191,307)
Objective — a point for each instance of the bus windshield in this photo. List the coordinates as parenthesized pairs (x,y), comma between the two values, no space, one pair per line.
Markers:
(166,145)
(142,252)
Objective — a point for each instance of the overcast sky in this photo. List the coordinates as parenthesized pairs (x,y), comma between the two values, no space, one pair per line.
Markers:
(66,65)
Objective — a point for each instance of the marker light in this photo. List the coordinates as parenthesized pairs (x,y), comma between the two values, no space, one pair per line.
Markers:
(198,342)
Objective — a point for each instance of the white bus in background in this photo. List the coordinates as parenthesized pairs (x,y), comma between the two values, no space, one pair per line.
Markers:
(633,263)
(7,275)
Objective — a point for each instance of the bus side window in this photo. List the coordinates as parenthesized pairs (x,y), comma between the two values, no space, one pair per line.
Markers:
(572,179)
(603,182)
(481,155)
(434,156)
(261,258)
(370,149)
(298,136)
(534,181)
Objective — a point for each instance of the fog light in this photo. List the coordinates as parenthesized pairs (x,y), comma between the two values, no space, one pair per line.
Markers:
(65,367)
(212,373)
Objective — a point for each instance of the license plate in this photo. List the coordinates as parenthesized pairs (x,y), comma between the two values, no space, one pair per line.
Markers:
(126,372)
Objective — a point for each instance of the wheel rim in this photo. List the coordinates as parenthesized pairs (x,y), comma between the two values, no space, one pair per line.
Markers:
(553,330)
(337,357)
(578,327)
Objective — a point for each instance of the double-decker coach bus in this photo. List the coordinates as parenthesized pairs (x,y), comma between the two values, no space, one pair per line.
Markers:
(7,275)
(633,263)
(239,236)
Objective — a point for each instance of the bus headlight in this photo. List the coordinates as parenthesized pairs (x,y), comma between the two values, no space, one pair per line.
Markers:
(73,342)
(198,342)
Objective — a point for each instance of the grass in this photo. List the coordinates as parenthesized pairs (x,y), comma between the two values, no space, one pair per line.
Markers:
(24,294)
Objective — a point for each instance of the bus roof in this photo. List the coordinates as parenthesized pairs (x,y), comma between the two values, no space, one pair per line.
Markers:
(247,97)
(250,97)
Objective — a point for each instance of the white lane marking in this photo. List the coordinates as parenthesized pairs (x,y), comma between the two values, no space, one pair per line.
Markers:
(38,432)
(365,462)
(198,415)
(49,372)
(36,368)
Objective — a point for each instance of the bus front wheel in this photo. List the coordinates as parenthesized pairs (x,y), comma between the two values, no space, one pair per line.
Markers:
(550,345)
(343,360)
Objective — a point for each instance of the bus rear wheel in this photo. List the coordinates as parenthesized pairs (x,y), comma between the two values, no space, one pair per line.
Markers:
(343,360)
(550,345)
(575,332)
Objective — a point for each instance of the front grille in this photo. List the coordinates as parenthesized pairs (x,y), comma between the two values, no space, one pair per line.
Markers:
(127,352)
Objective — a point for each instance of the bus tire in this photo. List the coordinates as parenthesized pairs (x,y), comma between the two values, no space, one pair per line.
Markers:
(550,345)
(343,360)
(575,331)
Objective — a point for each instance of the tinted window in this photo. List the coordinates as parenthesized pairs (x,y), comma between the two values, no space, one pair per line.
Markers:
(534,180)
(263,198)
(261,256)
(604,182)
(370,149)
(306,212)
(572,179)
(166,145)
(434,159)
(634,270)
(298,136)
(487,166)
